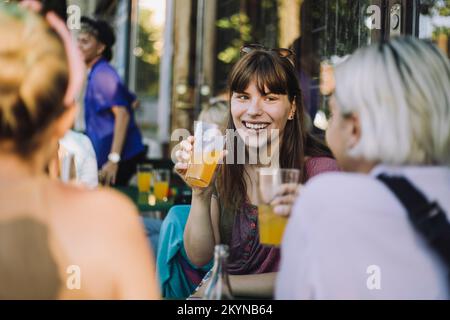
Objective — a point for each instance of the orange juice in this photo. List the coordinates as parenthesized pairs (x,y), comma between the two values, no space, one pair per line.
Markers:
(271,226)
(143,181)
(201,171)
(161,189)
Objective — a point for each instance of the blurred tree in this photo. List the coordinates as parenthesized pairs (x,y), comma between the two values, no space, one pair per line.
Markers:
(242,22)
(147,53)
(445,8)
(239,24)
(442,7)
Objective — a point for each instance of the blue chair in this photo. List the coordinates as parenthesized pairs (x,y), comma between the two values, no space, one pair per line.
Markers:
(152,228)
(172,261)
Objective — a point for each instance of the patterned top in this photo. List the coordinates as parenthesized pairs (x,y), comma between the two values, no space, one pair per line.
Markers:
(247,255)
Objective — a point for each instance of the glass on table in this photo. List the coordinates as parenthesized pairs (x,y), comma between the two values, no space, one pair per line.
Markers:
(161,184)
(271,226)
(67,167)
(144,177)
(208,146)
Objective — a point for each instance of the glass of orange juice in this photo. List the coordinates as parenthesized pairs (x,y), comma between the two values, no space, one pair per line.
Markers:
(144,177)
(208,146)
(271,226)
(161,181)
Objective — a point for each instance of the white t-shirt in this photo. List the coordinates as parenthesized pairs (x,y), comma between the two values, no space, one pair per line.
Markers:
(81,148)
(350,238)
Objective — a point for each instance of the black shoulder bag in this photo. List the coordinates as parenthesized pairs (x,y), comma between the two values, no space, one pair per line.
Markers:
(428,218)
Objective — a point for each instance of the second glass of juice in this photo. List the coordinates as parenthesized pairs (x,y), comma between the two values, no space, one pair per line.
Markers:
(271,226)
(144,177)
(208,146)
(161,182)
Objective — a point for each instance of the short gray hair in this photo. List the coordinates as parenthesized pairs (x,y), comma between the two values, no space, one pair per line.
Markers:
(401,91)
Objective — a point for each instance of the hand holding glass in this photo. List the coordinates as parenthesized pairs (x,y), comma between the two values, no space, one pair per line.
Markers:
(208,147)
(271,225)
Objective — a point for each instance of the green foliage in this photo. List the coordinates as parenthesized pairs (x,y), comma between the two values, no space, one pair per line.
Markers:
(441,30)
(445,8)
(240,24)
(441,8)
(147,55)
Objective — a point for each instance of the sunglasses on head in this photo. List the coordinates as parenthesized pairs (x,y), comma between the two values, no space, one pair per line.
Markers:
(281,52)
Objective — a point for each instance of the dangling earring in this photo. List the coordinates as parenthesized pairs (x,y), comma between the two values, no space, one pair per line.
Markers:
(291,117)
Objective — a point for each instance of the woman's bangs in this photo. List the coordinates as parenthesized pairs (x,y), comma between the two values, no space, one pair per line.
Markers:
(268,78)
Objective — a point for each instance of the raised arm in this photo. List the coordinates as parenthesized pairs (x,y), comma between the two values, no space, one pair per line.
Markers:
(201,233)
(202,228)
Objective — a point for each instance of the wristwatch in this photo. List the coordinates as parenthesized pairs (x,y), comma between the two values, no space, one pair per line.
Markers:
(114,157)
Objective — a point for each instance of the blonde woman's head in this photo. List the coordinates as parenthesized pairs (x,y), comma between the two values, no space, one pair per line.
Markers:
(393,105)
(33,79)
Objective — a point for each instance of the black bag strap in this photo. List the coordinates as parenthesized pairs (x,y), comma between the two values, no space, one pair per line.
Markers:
(428,218)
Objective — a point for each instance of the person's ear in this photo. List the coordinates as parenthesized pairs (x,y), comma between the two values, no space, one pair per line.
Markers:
(100,48)
(292,111)
(352,130)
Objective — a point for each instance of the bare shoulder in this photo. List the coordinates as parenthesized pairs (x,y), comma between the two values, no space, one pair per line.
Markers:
(103,209)
(100,231)
(108,201)
(98,219)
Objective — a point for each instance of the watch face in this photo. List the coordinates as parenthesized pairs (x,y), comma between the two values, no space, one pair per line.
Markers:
(114,157)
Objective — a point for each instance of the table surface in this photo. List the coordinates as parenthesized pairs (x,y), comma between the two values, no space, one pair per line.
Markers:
(145,201)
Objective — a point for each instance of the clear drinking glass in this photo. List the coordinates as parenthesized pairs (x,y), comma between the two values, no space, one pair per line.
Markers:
(144,177)
(208,146)
(271,225)
(161,182)
(67,166)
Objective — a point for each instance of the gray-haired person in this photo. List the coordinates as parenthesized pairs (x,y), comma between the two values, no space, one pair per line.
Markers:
(349,236)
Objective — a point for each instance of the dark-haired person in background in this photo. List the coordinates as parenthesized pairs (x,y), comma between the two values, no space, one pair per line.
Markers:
(108,107)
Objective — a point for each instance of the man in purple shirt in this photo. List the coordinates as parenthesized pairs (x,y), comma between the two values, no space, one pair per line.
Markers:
(108,105)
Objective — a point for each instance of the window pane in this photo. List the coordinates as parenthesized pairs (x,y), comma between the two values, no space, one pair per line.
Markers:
(146,50)
(435,23)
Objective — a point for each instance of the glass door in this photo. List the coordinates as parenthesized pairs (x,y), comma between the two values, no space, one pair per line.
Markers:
(146,50)
(434,23)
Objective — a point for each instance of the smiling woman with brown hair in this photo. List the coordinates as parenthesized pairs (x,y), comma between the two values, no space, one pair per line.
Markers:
(47,228)
(264,96)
